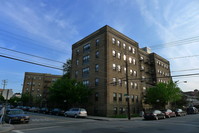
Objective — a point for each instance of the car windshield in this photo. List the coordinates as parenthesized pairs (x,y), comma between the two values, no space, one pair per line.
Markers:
(15,112)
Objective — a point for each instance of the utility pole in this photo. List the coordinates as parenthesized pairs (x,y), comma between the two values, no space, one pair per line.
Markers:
(4,83)
(127,89)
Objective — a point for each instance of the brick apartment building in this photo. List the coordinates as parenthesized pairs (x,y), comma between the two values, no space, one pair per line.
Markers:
(37,85)
(99,61)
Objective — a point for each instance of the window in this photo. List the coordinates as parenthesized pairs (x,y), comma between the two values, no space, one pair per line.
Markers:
(114,96)
(114,53)
(77,52)
(97,54)
(113,40)
(124,69)
(124,57)
(114,81)
(85,71)
(131,84)
(76,74)
(135,85)
(131,71)
(96,96)
(86,59)
(86,82)
(130,49)
(134,62)
(118,43)
(86,48)
(132,98)
(119,55)
(96,82)
(97,42)
(114,66)
(133,50)
(121,110)
(124,46)
(136,99)
(141,58)
(77,62)
(119,68)
(96,68)
(130,60)
(120,96)
(134,73)
(115,110)
(120,82)
(125,83)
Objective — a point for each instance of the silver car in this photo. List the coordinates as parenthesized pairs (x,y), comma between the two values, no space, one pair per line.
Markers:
(76,112)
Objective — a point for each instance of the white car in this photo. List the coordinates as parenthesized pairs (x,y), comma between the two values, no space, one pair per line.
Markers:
(76,112)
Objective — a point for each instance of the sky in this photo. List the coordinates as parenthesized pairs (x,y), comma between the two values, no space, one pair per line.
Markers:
(48,28)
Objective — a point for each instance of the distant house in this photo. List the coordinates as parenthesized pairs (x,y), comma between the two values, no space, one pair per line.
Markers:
(192,98)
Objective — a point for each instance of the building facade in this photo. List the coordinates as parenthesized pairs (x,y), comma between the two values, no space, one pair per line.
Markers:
(109,62)
(37,86)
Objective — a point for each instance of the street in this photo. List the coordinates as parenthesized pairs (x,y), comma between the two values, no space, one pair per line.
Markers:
(41,123)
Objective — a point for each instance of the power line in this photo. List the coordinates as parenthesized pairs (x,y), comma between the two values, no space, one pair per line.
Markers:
(30,62)
(182,57)
(186,70)
(31,55)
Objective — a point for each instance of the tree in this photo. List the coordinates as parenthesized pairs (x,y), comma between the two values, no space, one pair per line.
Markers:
(26,98)
(1,98)
(67,68)
(70,91)
(14,100)
(159,95)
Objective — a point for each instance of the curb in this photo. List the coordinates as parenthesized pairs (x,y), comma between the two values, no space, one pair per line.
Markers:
(6,128)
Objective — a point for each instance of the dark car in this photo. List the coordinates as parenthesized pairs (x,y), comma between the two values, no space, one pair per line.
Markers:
(57,111)
(25,108)
(44,110)
(34,109)
(169,113)
(16,116)
(192,110)
(180,112)
(154,114)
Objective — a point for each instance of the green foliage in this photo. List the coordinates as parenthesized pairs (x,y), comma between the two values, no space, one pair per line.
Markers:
(26,98)
(14,100)
(162,93)
(65,89)
(67,68)
(2,98)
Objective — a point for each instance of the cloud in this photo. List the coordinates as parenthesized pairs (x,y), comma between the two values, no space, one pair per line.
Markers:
(175,21)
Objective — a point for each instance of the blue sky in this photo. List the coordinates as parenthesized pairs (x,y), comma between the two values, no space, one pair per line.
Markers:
(48,28)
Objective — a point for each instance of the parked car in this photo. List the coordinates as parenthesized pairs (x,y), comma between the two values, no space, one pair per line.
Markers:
(154,114)
(34,109)
(44,110)
(57,111)
(169,113)
(16,116)
(180,112)
(76,112)
(25,108)
(192,110)
(19,107)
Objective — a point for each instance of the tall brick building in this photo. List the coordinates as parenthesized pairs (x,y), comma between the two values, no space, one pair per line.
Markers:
(37,85)
(104,59)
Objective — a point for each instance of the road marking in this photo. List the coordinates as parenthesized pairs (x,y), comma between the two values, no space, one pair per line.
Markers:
(17,131)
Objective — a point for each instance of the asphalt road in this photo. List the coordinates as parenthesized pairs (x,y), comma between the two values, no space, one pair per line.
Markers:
(57,124)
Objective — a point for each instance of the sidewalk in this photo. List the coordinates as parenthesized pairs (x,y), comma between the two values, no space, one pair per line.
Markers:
(112,119)
(6,128)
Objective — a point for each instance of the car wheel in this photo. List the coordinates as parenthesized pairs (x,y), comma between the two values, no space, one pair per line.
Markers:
(65,115)
(165,116)
(156,118)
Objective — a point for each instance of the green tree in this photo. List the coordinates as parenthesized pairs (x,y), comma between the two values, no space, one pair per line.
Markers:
(159,95)
(14,100)
(70,92)
(1,98)
(67,68)
(26,99)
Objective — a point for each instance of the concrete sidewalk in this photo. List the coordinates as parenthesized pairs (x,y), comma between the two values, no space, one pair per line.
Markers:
(6,128)
(112,119)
